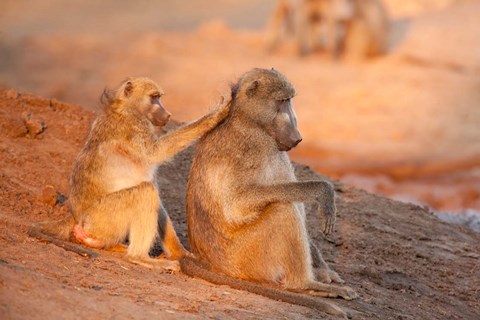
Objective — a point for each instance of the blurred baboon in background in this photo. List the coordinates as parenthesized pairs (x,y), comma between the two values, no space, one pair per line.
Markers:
(354,28)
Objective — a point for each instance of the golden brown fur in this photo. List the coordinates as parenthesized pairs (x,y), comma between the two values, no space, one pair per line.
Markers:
(112,194)
(245,214)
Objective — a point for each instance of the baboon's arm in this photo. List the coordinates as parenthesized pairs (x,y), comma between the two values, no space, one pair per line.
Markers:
(252,200)
(172,143)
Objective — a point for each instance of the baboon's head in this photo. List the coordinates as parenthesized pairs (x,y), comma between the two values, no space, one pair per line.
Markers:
(264,97)
(138,95)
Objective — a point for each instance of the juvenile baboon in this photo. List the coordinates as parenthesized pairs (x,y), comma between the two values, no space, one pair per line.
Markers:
(356,28)
(112,194)
(245,214)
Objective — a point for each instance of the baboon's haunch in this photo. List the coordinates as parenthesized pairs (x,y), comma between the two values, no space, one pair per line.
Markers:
(245,214)
(112,194)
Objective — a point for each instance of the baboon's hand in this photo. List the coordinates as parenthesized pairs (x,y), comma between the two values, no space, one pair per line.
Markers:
(222,108)
(330,219)
(328,208)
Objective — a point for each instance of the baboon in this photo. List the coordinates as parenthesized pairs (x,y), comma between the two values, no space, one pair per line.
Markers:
(365,34)
(112,192)
(245,214)
(357,28)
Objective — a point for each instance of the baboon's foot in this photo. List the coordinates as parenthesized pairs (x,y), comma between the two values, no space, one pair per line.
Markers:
(119,248)
(347,293)
(156,264)
(177,253)
(327,275)
(169,265)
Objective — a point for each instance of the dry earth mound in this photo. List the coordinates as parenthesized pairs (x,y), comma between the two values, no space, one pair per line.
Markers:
(404,262)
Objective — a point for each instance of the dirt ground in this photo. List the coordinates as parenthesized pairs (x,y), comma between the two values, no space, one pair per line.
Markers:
(402,260)
(404,125)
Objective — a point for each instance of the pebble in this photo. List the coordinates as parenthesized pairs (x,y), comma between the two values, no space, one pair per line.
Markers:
(11,94)
(49,195)
(34,125)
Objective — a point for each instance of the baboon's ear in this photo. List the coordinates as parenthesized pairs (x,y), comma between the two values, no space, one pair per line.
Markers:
(128,89)
(252,88)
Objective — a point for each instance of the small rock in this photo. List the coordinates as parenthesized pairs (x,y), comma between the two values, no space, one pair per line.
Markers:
(11,94)
(35,125)
(49,195)
(54,104)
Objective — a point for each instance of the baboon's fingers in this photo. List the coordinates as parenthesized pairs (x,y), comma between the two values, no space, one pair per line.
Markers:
(222,109)
(348,293)
(335,277)
(224,102)
(329,224)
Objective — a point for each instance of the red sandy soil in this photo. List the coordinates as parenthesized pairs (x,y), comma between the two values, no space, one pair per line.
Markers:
(405,125)
(402,260)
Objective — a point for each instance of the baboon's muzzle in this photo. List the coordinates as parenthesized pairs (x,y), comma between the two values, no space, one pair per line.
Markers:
(289,140)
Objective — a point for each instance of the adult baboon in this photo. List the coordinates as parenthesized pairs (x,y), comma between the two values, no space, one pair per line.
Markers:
(112,194)
(244,212)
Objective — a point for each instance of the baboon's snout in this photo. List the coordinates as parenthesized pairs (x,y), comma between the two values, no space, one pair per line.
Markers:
(289,141)
(296,139)
(297,142)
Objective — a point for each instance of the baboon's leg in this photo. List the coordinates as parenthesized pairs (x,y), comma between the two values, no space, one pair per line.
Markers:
(132,212)
(170,243)
(277,25)
(324,273)
(143,220)
(315,35)
(357,40)
(303,33)
(332,42)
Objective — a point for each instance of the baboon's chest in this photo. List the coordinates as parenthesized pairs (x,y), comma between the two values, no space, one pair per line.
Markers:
(276,169)
(123,173)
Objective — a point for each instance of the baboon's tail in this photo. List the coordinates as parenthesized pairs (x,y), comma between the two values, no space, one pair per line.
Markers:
(195,268)
(58,233)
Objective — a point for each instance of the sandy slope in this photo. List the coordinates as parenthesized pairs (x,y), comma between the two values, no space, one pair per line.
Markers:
(404,262)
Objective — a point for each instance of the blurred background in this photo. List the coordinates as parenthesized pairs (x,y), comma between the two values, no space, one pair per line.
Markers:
(401,119)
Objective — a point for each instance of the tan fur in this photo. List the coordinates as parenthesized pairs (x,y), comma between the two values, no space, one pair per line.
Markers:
(355,28)
(244,211)
(112,194)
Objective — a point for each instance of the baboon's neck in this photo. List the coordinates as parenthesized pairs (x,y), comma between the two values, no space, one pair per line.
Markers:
(249,135)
